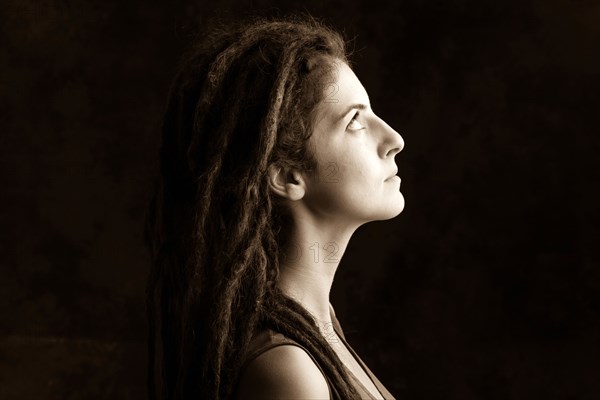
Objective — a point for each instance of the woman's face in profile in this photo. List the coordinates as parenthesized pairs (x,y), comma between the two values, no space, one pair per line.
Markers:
(355,152)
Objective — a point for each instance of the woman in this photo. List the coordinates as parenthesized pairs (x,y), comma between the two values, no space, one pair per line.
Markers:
(271,159)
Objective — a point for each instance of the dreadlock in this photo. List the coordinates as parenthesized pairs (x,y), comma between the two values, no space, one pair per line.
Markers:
(242,99)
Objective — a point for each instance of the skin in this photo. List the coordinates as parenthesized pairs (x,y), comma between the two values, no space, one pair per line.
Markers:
(355,154)
(283,372)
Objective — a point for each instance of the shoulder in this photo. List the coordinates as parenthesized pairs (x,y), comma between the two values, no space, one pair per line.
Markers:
(285,371)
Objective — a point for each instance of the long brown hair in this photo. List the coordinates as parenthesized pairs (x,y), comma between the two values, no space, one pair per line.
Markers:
(242,100)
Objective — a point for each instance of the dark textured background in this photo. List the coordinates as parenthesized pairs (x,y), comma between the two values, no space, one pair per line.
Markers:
(485,287)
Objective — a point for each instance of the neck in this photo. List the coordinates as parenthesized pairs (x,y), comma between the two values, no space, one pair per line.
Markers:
(308,267)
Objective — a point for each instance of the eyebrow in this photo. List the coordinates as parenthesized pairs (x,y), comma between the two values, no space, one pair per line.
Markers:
(360,106)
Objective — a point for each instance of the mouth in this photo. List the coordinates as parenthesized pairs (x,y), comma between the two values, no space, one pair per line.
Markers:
(393,176)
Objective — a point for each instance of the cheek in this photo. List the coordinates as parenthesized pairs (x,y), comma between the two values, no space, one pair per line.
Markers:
(357,172)
(356,186)
(345,173)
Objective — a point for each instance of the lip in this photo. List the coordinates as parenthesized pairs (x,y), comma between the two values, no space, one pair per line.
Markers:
(393,175)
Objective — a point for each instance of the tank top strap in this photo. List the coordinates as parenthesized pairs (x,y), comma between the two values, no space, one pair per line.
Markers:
(263,341)
(382,389)
(336,323)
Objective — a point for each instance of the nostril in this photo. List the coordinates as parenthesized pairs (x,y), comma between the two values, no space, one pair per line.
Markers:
(395,151)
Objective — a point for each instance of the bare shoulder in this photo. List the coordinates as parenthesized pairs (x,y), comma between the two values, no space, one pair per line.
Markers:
(285,371)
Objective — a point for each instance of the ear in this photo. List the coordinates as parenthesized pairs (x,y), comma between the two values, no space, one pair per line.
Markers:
(289,184)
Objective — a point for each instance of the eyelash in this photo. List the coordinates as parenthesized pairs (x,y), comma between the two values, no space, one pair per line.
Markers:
(354,118)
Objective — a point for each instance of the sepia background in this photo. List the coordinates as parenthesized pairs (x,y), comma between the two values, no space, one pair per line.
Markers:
(487,286)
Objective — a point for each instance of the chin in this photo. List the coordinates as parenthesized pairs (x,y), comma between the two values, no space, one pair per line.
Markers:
(397,207)
(399,210)
(391,211)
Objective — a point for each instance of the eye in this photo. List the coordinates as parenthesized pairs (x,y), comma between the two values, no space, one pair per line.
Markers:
(354,124)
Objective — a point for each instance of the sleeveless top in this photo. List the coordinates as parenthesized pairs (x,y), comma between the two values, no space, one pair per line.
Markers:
(267,339)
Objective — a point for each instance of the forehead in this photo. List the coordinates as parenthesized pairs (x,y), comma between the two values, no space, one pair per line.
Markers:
(343,90)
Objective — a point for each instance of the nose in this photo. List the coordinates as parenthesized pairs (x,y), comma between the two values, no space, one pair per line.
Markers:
(394,143)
